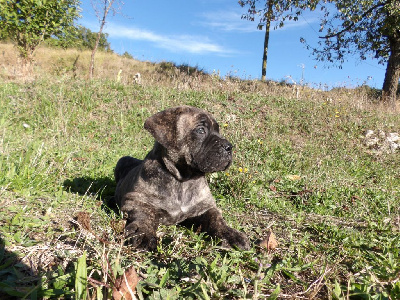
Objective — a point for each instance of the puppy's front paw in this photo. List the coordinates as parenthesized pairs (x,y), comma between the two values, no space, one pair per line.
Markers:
(140,238)
(236,238)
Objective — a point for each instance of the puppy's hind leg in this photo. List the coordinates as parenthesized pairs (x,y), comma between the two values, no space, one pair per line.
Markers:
(124,165)
(214,224)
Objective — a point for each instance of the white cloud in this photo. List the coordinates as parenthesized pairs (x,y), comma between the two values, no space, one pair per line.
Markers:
(175,43)
(227,21)
(232,21)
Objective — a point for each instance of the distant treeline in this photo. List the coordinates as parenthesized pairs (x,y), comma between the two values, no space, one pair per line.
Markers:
(78,37)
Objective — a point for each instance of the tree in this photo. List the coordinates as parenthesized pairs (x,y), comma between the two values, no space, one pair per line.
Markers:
(81,38)
(89,39)
(268,11)
(29,22)
(127,55)
(102,8)
(370,28)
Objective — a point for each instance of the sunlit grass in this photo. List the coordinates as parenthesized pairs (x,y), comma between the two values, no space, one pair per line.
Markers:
(301,168)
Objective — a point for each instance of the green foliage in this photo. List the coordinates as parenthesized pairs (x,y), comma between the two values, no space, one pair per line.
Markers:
(170,68)
(29,22)
(127,55)
(80,38)
(359,26)
(368,28)
(270,10)
(3,34)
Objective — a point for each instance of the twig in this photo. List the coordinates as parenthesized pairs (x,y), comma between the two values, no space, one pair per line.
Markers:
(96,283)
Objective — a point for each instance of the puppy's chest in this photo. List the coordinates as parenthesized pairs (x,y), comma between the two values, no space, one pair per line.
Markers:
(185,201)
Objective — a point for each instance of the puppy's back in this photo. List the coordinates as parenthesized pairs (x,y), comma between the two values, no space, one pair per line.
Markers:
(124,165)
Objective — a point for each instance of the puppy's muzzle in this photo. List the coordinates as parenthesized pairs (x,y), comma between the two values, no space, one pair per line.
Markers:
(227,146)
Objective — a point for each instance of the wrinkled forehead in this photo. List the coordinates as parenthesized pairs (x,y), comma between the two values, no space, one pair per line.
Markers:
(190,120)
(207,120)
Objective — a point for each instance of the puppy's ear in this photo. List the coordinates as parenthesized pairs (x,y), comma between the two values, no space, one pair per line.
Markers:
(163,126)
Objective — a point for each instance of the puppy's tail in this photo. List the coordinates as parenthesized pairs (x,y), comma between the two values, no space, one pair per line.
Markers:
(124,165)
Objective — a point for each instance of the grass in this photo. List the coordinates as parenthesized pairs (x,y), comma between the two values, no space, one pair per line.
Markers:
(300,168)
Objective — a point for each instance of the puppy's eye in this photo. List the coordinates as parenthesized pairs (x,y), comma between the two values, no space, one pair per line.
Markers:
(200,130)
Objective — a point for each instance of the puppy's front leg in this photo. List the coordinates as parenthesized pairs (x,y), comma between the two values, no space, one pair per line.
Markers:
(141,227)
(214,224)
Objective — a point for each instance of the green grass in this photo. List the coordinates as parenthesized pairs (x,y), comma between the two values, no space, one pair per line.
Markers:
(300,167)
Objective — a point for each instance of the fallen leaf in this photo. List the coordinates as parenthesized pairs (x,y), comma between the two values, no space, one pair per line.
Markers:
(83,218)
(118,226)
(269,242)
(272,188)
(293,177)
(125,285)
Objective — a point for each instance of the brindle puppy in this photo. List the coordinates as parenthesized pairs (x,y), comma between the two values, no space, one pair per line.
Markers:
(169,185)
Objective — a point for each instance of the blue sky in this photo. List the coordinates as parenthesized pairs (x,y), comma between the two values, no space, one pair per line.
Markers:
(212,35)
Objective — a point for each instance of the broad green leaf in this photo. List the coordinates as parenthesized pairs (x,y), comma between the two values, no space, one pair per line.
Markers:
(164,279)
(337,291)
(275,293)
(81,277)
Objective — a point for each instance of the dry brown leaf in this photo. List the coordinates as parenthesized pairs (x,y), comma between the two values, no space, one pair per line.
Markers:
(125,285)
(269,242)
(83,218)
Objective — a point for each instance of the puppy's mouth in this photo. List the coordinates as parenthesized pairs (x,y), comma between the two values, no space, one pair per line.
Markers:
(210,165)
(227,165)
(215,155)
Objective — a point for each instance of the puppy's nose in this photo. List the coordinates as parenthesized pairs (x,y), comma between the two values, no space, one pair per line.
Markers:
(227,147)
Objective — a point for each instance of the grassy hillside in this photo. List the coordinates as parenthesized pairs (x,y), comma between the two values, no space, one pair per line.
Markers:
(302,168)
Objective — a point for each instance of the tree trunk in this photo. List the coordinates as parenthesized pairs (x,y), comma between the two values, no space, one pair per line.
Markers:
(107,5)
(26,50)
(91,67)
(266,40)
(392,76)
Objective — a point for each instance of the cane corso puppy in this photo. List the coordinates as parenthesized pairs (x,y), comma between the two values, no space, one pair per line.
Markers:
(169,186)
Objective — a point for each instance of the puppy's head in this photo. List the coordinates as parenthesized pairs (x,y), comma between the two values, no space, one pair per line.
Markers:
(191,137)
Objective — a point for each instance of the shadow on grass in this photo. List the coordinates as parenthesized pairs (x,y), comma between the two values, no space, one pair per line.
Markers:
(102,188)
(17,280)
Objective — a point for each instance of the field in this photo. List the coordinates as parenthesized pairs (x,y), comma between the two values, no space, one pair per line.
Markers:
(303,169)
